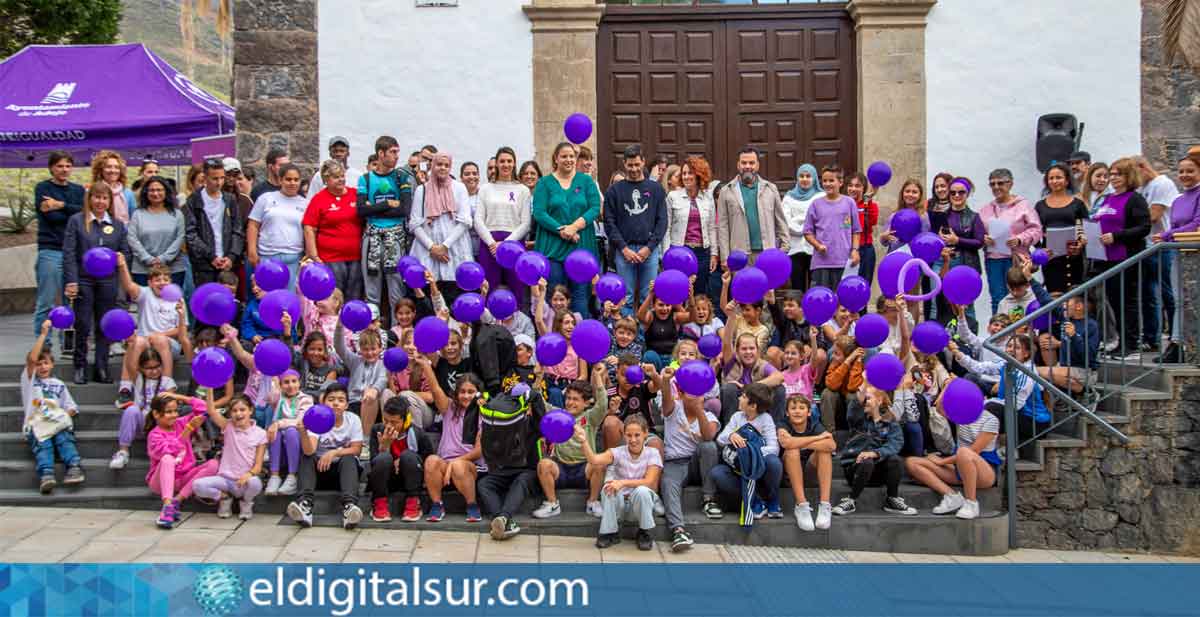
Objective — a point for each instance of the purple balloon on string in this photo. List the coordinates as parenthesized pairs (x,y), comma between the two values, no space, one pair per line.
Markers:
(737,260)
(507,253)
(502,303)
(681,258)
(271,275)
(577,128)
(672,287)
(431,334)
(871,330)
(581,266)
(930,337)
(710,345)
(962,402)
(854,292)
(213,367)
(171,293)
(591,340)
(100,262)
(395,360)
(610,288)
(777,265)
(275,304)
(62,317)
(272,357)
(469,276)
(885,371)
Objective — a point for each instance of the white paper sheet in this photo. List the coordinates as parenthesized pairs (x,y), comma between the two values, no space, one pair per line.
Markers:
(1095,248)
(851,269)
(1000,231)
(1057,239)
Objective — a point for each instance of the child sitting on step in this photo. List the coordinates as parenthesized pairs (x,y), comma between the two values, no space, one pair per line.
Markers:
(330,460)
(290,404)
(173,468)
(241,460)
(396,466)
(49,410)
(629,493)
(459,458)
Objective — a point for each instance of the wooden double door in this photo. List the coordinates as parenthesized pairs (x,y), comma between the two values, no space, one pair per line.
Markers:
(695,82)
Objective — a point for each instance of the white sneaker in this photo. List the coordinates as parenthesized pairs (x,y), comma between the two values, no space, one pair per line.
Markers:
(951,502)
(804,517)
(225,506)
(824,515)
(245,510)
(548,509)
(290,485)
(595,509)
(272,486)
(364,455)
(659,508)
(969,510)
(119,460)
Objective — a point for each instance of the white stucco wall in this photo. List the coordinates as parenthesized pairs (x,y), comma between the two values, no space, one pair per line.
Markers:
(457,77)
(994,66)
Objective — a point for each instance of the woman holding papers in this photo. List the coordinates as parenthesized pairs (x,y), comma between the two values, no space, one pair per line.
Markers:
(1012,227)
(1124,222)
(1061,214)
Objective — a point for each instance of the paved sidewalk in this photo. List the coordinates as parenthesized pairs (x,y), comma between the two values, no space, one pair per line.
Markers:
(40,535)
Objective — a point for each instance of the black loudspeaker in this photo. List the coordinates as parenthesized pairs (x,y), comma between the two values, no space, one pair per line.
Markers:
(1058,135)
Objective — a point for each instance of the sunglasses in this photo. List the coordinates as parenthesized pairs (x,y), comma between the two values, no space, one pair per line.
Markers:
(958,193)
(999,182)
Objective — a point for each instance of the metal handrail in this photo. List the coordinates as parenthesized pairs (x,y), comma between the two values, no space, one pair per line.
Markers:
(1012,366)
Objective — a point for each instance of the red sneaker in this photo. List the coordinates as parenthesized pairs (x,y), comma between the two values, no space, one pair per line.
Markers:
(412,510)
(380,512)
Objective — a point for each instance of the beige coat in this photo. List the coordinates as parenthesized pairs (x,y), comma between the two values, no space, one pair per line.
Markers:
(732,231)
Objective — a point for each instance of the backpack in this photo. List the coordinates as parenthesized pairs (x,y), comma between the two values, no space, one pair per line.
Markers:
(510,429)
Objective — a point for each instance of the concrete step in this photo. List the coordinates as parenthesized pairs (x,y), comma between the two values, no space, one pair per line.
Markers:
(91,444)
(22,474)
(90,394)
(90,418)
(64,370)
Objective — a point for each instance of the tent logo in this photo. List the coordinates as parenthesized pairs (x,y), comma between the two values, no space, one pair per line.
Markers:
(59,94)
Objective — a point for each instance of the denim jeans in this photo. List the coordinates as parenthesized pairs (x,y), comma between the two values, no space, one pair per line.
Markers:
(703,256)
(49,273)
(1171,303)
(866,262)
(637,277)
(43,451)
(1151,302)
(729,484)
(997,276)
(579,291)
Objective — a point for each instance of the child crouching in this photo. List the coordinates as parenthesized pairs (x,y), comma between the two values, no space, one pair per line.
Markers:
(630,493)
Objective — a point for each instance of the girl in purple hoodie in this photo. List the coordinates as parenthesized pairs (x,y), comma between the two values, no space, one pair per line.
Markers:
(1015,214)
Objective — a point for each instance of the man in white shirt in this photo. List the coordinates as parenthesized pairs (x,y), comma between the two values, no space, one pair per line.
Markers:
(339,150)
(1160,192)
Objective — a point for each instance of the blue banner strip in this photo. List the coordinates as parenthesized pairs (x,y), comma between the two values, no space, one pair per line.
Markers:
(613,589)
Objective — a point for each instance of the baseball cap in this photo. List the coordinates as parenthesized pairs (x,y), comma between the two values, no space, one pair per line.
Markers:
(1080,155)
(374,310)
(523,339)
(231,164)
(338,139)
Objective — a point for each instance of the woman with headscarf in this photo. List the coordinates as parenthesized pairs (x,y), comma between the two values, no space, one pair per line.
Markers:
(439,222)
(795,210)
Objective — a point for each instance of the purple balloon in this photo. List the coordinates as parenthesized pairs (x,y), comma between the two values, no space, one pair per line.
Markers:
(962,285)
(577,128)
(581,266)
(610,288)
(591,340)
(1039,257)
(777,265)
(317,282)
(272,357)
(885,371)
(431,334)
(749,285)
(871,330)
(854,292)
(927,246)
(275,304)
(889,274)
(962,402)
(519,389)
(62,317)
(319,419)
(414,276)
(100,262)
(117,325)
(634,374)
(672,287)
(356,316)
(557,426)
(468,307)
(879,173)
(213,304)
(502,303)
(507,253)
(710,345)
(171,293)
(271,275)
(532,266)
(695,377)
(1042,323)
(469,276)
(405,263)
(551,349)
(737,260)
(212,367)
(930,337)
(395,360)
(819,305)
(906,224)
(680,258)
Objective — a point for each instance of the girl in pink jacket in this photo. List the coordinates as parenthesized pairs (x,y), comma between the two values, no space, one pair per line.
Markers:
(1019,219)
(169,442)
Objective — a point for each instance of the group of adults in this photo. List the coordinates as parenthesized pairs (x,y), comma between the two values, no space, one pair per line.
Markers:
(360,223)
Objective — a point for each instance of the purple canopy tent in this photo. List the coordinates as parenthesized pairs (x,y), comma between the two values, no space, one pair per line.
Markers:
(86,98)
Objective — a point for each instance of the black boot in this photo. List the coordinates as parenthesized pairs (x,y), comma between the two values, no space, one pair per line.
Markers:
(100,375)
(1171,355)
(80,375)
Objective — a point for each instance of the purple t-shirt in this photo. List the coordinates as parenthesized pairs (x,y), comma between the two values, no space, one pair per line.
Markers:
(833,223)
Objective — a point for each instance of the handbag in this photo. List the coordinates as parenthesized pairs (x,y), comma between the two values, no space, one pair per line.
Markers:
(48,419)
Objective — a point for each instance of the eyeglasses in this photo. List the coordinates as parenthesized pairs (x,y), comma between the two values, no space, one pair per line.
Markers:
(995,183)
(958,193)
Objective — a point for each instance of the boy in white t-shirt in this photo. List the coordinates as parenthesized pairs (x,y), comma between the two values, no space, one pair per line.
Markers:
(159,323)
(629,493)
(330,460)
(690,453)
(49,410)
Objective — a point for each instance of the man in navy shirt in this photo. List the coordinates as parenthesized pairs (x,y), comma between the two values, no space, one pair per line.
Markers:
(56,200)
(635,220)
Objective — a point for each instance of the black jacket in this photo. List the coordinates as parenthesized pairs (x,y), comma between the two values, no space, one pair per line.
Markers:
(78,241)
(493,353)
(510,442)
(200,233)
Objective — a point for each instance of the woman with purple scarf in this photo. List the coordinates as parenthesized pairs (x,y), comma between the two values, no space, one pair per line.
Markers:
(1185,217)
(502,214)
(1124,219)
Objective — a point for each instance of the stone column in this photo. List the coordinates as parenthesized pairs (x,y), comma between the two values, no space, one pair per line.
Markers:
(564,68)
(1189,281)
(890,43)
(275,81)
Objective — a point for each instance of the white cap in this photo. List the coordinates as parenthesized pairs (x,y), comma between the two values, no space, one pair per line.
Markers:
(231,164)
(523,339)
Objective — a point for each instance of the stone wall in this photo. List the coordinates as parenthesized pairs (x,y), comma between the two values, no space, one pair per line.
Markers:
(1170,97)
(275,80)
(1143,496)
